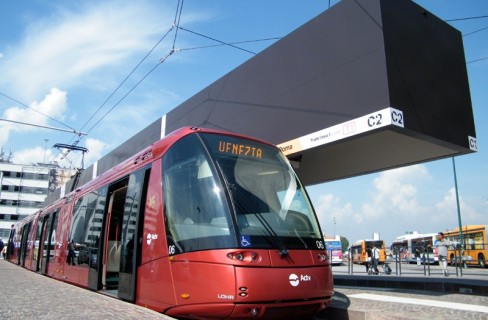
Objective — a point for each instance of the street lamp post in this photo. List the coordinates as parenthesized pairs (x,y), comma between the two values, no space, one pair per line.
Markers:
(45,149)
(334,227)
(461,238)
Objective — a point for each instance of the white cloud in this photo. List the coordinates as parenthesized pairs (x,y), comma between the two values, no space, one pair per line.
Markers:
(31,156)
(5,128)
(53,105)
(70,46)
(395,192)
(96,149)
(390,204)
(329,207)
(88,49)
(448,208)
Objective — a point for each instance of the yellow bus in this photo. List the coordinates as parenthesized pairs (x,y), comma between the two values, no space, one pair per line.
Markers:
(475,244)
(359,250)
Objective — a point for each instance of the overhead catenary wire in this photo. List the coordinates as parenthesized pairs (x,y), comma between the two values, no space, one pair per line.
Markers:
(176,26)
(175,23)
(127,77)
(473,32)
(216,40)
(162,60)
(466,18)
(128,92)
(477,60)
(35,110)
(44,127)
(230,43)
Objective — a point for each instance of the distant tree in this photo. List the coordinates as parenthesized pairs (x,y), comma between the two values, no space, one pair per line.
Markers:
(345,244)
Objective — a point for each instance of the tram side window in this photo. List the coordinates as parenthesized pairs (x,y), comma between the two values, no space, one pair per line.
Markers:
(86,228)
(196,215)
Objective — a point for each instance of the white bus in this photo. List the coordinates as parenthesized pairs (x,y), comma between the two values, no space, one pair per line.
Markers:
(334,250)
(405,247)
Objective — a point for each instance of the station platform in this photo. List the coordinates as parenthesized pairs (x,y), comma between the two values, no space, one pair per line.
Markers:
(27,295)
(409,295)
(361,303)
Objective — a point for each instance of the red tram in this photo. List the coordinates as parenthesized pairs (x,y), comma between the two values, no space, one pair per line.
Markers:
(203,224)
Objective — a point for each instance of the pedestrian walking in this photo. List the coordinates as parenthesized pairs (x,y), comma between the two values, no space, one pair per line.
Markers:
(2,246)
(369,260)
(375,257)
(407,256)
(417,256)
(442,244)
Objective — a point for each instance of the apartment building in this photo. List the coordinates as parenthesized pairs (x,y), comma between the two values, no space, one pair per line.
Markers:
(24,189)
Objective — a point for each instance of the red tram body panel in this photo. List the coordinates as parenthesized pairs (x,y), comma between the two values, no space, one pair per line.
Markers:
(203,224)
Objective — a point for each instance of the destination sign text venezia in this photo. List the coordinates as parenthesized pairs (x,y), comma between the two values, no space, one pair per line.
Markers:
(240,149)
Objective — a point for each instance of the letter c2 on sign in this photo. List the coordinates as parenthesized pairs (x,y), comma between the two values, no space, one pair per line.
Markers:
(397,118)
(375,120)
(473,145)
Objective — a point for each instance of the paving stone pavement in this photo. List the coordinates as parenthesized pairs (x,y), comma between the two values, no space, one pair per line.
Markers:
(28,295)
(359,303)
(353,304)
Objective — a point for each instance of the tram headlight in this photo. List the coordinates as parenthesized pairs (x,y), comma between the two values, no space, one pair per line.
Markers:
(244,256)
(322,257)
(254,312)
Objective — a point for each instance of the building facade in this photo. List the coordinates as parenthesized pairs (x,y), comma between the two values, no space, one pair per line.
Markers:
(24,189)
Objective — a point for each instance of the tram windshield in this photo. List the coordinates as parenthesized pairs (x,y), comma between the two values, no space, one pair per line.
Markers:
(225,192)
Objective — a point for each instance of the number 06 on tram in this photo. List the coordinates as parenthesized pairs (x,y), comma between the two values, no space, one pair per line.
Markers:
(203,224)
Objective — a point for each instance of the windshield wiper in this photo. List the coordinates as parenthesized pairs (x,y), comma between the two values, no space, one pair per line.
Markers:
(241,200)
(273,237)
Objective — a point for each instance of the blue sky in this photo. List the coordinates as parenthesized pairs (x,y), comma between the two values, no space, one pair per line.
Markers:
(64,59)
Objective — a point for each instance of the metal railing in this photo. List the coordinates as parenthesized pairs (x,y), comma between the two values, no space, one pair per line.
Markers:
(426,265)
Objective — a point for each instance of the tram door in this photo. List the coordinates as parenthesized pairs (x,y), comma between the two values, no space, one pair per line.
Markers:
(23,243)
(37,256)
(122,229)
(113,240)
(47,242)
(10,244)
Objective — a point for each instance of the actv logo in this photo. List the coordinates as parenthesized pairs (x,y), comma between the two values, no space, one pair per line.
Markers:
(295,280)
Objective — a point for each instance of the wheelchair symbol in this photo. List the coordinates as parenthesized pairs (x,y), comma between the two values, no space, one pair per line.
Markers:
(245,241)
